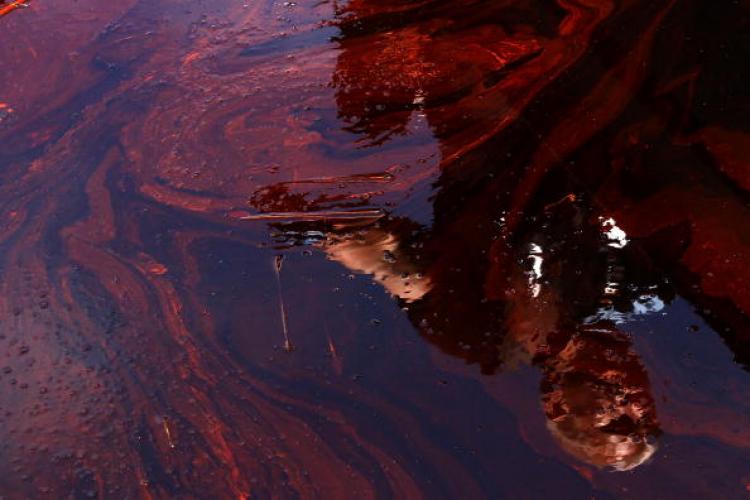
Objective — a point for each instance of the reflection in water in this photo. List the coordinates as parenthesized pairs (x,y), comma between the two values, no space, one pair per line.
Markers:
(377,253)
(529,185)
(581,281)
(595,392)
(597,400)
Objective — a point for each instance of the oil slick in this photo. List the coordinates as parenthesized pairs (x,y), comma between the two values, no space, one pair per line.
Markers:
(502,242)
(13,5)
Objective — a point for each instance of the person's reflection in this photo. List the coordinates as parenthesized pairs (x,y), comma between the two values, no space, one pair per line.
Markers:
(595,392)
(468,73)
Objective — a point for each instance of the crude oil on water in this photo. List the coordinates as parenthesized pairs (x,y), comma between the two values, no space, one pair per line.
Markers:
(375,249)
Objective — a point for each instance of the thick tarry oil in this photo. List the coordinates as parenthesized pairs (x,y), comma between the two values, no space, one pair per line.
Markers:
(374,248)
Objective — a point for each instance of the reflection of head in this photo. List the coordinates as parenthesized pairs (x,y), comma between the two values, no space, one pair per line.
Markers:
(601,449)
(597,400)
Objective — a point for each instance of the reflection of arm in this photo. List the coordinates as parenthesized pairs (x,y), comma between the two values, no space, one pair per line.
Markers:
(377,252)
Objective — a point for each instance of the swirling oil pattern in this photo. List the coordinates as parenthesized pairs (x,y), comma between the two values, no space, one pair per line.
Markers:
(374,249)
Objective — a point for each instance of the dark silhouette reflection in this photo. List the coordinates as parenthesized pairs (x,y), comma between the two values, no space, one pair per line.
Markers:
(529,258)
(559,312)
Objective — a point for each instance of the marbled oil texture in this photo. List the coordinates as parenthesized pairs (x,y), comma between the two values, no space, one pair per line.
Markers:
(375,249)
